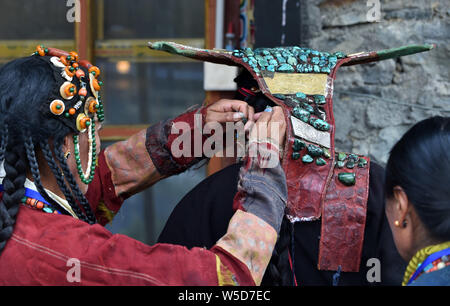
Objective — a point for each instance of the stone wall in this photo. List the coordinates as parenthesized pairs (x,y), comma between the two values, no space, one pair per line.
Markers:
(375,104)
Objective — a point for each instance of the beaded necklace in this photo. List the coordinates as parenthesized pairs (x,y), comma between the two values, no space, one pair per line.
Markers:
(428,259)
(34,200)
(88,175)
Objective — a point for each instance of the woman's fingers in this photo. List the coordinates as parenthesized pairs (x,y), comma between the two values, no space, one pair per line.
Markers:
(277,126)
(229,111)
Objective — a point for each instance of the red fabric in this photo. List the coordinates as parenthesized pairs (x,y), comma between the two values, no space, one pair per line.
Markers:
(101,189)
(343,225)
(39,250)
(160,139)
(42,244)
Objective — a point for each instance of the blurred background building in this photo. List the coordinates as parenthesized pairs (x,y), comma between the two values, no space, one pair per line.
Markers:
(374,104)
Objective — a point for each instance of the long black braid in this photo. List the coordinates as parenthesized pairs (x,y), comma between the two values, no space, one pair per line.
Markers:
(48,155)
(279,272)
(73,184)
(3,142)
(15,166)
(34,169)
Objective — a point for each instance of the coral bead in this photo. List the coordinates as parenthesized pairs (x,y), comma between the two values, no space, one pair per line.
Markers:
(82,92)
(95,70)
(57,107)
(79,73)
(68,72)
(40,50)
(63,60)
(72,111)
(74,55)
(96,85)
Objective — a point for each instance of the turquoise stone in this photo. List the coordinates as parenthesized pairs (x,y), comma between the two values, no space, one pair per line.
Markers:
(362,163)
(281,59)
(271,68)
(353,157)
(315,60)
(326,153)
(285,68)
(280,96)
(292,61)
(295,155)
(273,62)
(300,95)
(237,54)
(303,58)
(341,156)
(332,60)
(350,164)
(298,145)
(306,159)
(263,63)
(340,164)
(249,52)
(314,150)
(319,124)
(259,57)
(307,107)
(319,99)
(340,54)
(48,210)
(348,179)
(325,70)
(320,162)
(301,114)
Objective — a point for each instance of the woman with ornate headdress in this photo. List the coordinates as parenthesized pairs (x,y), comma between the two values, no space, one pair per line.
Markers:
(58,189)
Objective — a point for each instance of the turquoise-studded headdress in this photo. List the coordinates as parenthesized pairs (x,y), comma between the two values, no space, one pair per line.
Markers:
(322,183)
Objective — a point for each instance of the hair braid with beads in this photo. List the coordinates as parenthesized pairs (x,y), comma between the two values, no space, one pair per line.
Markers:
(73,184)
(48,155)
(25,87)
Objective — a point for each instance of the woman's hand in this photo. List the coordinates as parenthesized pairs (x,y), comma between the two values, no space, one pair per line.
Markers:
(270,126)
(226,110)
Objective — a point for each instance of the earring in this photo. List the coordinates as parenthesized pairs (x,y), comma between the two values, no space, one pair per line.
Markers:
(67,154)
(397,223)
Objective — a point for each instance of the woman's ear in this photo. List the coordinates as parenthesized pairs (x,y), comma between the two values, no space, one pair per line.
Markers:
(401,208)
(68,145)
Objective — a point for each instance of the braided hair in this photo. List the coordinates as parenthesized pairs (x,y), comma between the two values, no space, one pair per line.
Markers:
(279,271)
(25,129)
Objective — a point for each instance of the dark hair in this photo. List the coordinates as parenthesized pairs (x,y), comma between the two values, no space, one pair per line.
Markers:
(279,271)
(25,86)
(420,164)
